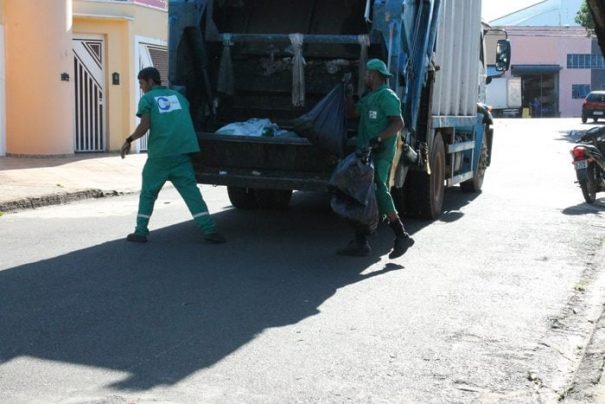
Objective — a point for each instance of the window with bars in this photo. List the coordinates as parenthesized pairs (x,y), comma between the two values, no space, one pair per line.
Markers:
(585,61)
(579,91)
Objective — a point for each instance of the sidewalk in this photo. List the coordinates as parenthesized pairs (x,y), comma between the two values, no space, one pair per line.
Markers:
(30,182)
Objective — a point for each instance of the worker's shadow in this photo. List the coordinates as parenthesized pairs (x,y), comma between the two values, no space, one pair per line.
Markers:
(163,310)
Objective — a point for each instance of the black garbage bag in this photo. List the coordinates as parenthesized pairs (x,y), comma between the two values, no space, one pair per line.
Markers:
(354,177)
(353,192)
(325,125)
(364,217)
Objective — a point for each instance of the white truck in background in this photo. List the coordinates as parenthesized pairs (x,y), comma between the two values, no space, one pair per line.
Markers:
(503,95)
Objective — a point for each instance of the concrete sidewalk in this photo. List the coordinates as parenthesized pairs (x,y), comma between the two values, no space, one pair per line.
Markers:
(30,182)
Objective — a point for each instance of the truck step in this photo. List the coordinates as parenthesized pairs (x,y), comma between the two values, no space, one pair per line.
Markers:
(457,179)
(458,147)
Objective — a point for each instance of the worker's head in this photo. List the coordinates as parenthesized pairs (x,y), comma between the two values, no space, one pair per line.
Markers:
(149,77)
(377,73)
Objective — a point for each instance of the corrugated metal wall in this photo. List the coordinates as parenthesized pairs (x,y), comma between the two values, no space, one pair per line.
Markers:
(457,55)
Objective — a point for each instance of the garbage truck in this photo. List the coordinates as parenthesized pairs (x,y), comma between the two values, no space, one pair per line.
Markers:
(236,60)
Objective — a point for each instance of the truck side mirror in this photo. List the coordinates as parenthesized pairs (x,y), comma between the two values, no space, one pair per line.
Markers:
(503,55)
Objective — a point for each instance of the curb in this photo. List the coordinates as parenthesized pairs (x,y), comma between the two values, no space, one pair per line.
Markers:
(56,199)
(588,385)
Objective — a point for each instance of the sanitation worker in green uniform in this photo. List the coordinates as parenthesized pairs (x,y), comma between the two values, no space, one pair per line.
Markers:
(380,121)
(165,113)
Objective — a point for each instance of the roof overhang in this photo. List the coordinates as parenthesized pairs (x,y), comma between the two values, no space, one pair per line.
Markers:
(523,70)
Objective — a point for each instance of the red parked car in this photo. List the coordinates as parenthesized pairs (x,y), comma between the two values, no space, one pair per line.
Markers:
(594,106)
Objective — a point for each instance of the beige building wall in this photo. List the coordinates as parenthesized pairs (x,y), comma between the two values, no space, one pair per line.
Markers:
(2,84)
(39,114)
(38,37)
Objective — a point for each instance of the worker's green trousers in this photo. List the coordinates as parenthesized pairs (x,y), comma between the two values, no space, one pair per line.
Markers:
(178,170)
(382,169)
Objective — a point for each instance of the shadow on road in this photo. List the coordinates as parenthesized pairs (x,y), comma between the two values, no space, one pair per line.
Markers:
(28,162)
(585,208)
(163,310)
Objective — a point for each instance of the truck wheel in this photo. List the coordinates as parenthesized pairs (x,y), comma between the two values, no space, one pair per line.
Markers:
(424,193)
(273,198)
(584,119)
(475,183)
(242,198)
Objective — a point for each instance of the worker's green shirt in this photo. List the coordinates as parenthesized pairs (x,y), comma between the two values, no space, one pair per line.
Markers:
(171,129)
(375,110)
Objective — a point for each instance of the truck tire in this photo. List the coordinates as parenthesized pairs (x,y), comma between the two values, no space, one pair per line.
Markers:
(273,198)
(475,183)
(242,198)
(584,119)
(424,193)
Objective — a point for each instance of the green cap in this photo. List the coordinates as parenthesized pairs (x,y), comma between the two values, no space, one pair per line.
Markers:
(379,66)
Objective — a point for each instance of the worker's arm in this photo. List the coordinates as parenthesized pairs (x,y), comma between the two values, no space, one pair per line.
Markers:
(140,131)
(395,125)
(351,110)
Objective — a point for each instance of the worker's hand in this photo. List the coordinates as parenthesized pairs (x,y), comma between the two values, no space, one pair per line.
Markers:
(349,90)
(125,149)
(376,143)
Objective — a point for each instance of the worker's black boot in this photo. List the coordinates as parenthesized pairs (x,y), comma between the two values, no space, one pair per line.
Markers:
(359,247)
(403,241)
(215,238)
(136,238)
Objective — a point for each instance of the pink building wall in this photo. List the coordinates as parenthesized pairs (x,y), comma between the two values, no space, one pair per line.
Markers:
(153,3)
(550,46)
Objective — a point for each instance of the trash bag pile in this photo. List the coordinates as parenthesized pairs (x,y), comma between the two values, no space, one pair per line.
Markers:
(255,127)
(325,125)
(353,191)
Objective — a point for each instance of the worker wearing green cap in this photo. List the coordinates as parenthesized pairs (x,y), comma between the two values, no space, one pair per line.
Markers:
(380,121)
(172,139)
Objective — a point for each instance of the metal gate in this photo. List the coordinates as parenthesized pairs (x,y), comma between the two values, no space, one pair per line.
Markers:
(89,82)
(155,56)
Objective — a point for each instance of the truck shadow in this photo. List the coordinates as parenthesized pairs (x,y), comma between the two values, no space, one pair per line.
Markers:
(164,310)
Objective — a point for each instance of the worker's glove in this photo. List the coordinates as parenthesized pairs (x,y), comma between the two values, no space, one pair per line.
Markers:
(363,154)
(125,147)
(349,90)
(376,143)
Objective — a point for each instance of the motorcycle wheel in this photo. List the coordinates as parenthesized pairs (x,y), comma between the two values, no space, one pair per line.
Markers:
(589,186)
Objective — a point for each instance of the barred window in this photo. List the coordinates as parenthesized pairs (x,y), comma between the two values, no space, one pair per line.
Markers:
(579,91)
(585,61)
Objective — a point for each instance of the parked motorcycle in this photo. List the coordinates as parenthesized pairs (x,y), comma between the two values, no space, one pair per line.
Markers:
(589,161)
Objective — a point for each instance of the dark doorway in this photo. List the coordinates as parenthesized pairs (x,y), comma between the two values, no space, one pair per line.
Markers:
(540,93)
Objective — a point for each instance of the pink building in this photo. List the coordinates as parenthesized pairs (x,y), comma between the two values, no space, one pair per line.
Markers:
(163,4)
(556,67)
(557,61)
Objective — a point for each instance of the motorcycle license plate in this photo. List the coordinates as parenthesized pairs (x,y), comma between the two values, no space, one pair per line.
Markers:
(581,164)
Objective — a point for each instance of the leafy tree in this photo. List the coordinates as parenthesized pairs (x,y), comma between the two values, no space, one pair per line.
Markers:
(584,18)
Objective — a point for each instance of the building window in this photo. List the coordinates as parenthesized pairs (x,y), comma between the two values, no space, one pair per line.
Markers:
(585,61)
(579,91)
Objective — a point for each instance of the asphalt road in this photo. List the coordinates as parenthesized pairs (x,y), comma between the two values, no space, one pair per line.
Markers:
(496,302)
